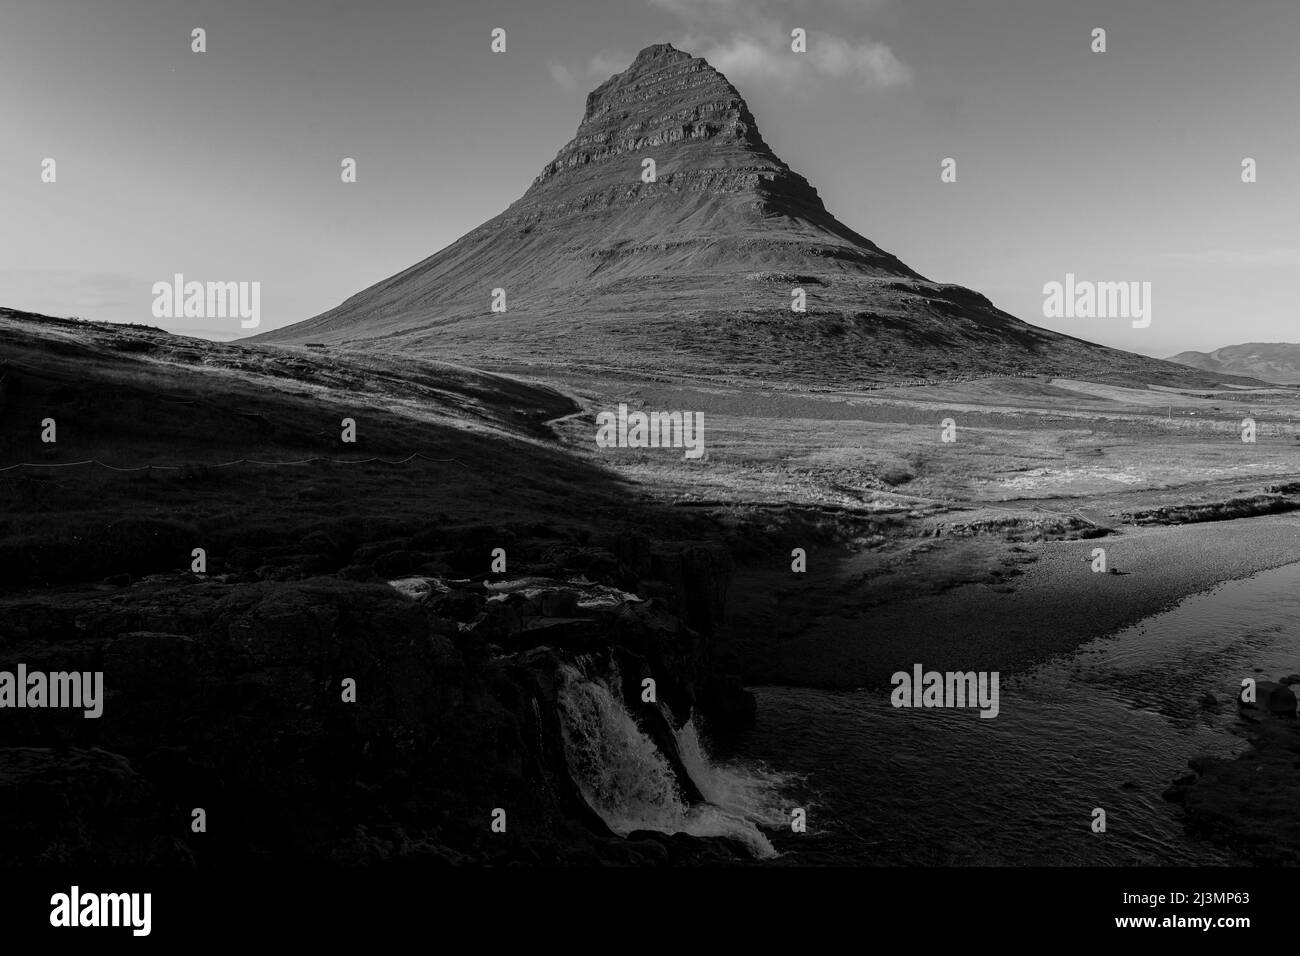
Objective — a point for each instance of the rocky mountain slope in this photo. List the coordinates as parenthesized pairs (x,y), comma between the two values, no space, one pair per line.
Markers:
(693,273)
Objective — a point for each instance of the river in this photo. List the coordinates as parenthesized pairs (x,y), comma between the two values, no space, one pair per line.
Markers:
(1109,726)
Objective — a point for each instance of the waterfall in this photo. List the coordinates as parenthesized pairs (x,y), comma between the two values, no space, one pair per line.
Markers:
(750,792)
(628,782)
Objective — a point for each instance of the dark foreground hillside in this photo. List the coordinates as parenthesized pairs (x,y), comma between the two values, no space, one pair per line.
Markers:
(224,690)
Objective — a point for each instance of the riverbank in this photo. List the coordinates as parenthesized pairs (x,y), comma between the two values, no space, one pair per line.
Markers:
(1109,725)
(1247,804)
(985,603)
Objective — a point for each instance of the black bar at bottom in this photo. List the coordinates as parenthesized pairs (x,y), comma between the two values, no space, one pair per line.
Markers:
(533,905)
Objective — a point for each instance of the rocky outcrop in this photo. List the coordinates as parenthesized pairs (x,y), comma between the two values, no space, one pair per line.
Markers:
(230,693)
(1017,528)
(1265,504)
(685,114)
(81,805)
(1273,698)
(1247,803)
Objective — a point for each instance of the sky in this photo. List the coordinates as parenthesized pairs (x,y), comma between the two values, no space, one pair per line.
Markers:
(224,165)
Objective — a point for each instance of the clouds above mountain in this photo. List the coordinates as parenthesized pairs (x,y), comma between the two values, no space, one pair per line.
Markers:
(749,40)
(600,66)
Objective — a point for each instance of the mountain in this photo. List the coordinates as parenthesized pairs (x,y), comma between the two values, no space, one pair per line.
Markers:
(1270,361)
(694,273)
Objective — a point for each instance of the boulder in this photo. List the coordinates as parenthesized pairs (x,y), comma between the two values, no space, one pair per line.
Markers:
(1273,698)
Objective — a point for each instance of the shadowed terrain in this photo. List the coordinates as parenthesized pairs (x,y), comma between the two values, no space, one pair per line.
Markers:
(223,682)
(970,554)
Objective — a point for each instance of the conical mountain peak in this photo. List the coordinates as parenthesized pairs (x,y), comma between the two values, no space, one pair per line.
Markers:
(678,111)
(658,51)
(667,234)
(644,71)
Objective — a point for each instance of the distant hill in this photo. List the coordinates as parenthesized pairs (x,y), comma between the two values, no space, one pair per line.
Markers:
(693,273)
(1270,361)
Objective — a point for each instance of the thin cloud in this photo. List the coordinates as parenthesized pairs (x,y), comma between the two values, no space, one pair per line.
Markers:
(721,9)
(747,41)
(601,65)
(561,74)
(608,62)
(701,9)
(873,62)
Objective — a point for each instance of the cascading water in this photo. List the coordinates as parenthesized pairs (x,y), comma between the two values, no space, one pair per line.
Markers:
(629,783)
(745,791)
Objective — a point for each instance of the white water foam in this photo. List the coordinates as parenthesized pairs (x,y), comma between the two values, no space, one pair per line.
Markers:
(629,783)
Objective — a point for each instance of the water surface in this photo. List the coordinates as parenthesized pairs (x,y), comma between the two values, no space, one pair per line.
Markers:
(1109,726)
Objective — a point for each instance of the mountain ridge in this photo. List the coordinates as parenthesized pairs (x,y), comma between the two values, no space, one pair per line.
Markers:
(695,271)
(1277,362)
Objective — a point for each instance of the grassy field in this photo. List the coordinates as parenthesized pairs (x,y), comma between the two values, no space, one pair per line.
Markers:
(976,552)
(1016,441)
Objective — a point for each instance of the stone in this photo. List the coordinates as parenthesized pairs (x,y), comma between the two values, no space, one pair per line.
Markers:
(1274,698)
